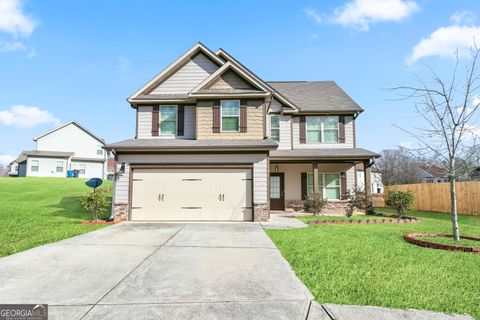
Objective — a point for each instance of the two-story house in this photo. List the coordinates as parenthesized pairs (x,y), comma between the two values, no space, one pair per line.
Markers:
(215,142)
(67,147)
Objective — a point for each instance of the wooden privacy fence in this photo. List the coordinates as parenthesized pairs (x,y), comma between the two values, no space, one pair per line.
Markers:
(436,196)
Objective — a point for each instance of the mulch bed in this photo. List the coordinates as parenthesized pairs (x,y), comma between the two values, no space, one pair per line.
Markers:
(412,238)
(386,220)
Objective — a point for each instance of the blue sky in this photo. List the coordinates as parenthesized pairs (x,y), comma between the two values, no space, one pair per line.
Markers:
(64,60)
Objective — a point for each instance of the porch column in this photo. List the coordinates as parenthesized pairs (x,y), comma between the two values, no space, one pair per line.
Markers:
(315,177)
(368,186)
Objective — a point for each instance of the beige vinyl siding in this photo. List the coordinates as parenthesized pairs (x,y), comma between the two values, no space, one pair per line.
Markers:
(293,180)
(259,161)
(348,136)
(145,124)
(229,81)
(285,142)
(187,77)
(255,122)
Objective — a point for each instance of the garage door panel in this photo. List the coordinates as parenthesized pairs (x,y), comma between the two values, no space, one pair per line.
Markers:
(192,194)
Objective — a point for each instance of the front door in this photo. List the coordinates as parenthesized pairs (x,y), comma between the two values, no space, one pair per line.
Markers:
(277,191)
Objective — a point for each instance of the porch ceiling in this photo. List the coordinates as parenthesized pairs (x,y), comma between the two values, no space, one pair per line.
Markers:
(338,154)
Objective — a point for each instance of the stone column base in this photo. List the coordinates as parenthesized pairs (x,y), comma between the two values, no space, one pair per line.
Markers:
(332,207)
(120,212)
(261,212)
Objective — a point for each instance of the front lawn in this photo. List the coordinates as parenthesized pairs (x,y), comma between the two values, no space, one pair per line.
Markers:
(330,218)
(372,265)
(36,211)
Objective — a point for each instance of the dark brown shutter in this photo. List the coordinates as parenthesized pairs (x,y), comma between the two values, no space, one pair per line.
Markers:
(180,120)
(341,129)
(243,116)
(155,121)
(303,130)
(216,116)
(343,185)
(304,186)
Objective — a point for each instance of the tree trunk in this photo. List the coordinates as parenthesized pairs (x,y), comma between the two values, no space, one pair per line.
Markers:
(453,211)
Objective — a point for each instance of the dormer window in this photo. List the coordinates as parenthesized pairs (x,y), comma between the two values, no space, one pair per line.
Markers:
(230,111)
(168,120)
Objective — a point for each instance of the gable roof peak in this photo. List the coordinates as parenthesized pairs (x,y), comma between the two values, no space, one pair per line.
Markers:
(69,123)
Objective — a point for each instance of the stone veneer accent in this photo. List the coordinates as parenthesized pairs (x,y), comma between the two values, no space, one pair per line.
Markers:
(339,207)
(261,212)
(120,212)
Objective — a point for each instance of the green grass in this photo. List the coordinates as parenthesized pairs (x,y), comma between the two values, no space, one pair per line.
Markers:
(451,241)
(36,211)
(373,265)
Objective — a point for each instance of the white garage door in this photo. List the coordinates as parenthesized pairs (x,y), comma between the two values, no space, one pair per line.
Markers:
(192,194)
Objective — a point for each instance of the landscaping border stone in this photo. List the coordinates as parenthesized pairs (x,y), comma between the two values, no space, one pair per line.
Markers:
(412,238)
(386,220)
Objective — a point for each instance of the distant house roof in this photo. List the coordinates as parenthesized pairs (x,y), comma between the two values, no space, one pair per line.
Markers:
(316,96)
(338,153)
(165,144)
(433,171)
(359,167)
(66,124)
(53,154)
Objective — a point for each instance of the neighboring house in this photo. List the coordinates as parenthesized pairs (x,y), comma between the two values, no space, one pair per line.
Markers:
(213,141)
(375,178)
(13,168)
(68,147)
(432,174)
(111,164)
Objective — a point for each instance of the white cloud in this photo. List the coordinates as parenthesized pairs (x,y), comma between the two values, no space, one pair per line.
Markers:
(360,14)
(5,159)
(462,17)
(13,20)
(445,41)
(312,13)
(25,116)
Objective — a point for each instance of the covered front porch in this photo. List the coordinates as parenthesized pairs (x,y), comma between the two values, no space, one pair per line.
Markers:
(292,175)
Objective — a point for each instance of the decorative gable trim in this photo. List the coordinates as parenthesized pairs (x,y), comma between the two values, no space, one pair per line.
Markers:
(228,67)
(178,63)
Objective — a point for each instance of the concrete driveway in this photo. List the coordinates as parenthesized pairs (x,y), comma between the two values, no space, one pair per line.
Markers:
(161,271)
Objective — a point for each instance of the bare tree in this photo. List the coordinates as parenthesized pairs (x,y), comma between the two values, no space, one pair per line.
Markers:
(398,166)
(448,109)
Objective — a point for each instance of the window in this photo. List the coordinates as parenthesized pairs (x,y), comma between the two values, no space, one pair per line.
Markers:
(275,128)
(328,185)
(322,129)
(81,168)
(59,166)
(168,120)
(230,115)
(34,165)
(99,150)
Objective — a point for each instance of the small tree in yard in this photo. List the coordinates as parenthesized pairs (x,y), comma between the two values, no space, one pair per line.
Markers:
(315,203)
(95,203)
(356,200)
(448,108)
(400,200)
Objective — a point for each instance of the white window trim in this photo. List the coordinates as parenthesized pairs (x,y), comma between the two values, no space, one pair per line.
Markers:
(271,127)
(322,131)
(221,116)
(99,148)
(160,120)
(56,167)
(38,165)
(323,183)
(80,165)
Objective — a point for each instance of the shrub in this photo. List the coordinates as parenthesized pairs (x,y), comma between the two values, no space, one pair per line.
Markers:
(356,200)
(400,200)
(95,203)
(314,203)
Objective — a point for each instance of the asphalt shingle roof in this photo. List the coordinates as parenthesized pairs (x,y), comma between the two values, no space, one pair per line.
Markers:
(346,153)
(316,96)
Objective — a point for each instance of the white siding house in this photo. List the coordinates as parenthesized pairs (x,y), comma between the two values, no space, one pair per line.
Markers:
(67,147)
